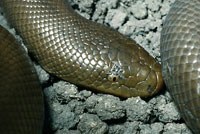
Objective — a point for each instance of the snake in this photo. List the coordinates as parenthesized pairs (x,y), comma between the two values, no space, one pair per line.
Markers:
(180,59)
(91,55)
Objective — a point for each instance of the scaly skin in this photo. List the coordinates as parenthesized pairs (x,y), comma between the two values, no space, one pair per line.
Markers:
(21,99)
(80,51)
(180,45)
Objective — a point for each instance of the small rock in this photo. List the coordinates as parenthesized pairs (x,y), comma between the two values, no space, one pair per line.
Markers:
(115,18)
(109,108)
(172,128)
(137,109)
(139,10)
(91,124)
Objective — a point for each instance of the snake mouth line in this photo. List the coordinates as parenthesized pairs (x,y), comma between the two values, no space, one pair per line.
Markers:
(160,82)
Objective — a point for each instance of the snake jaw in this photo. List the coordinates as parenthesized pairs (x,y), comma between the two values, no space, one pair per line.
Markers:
(160,82)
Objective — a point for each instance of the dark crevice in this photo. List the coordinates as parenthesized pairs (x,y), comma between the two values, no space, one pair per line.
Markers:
(76,7)
(116,121)
(93,7)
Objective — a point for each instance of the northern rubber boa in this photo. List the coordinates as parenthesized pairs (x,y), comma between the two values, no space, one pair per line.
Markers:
(80,51)
(92,55)
(180,56)
(21,99)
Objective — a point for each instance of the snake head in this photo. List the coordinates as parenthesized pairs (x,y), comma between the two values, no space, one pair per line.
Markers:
(131,71)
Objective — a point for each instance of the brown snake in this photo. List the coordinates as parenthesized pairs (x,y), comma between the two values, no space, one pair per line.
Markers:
(180,45)
(87,54)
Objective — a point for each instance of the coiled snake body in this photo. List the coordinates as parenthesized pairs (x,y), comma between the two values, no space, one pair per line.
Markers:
(82,52)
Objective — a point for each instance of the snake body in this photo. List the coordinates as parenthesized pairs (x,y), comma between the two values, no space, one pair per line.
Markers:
(83,52)
(99,58)
(180,45)
(21,100)
(80,51)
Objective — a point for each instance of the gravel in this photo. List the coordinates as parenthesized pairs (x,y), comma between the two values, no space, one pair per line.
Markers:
(76,110)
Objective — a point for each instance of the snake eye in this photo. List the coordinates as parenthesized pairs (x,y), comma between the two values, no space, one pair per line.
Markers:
(113,78)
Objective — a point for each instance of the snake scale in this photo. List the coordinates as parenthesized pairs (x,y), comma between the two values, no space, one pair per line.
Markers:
(94,56)
(180,55)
